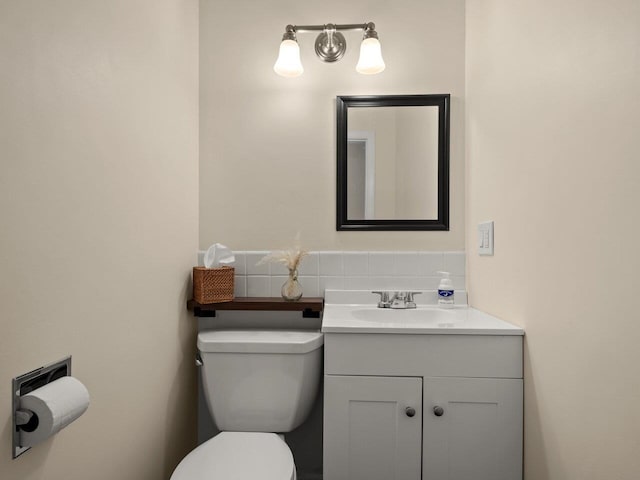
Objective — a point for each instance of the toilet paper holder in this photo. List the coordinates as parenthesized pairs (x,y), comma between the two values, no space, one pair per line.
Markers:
(25,383)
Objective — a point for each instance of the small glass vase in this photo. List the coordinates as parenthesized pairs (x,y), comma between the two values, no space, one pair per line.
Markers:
(291,290)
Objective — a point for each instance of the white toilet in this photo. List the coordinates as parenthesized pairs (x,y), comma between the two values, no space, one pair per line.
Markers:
(258,384)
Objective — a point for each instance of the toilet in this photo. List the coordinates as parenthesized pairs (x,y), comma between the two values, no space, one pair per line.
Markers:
(258,385)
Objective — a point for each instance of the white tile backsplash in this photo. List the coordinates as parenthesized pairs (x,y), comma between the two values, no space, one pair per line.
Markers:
(380,282)
(431,263)
(356,270)
(458,282)
(406,283)
(240,263)
(454,263)
(407,263)
(430,283)
(309,264)
(309,285)
(258,286)
(278,268)
(252,258)
(240,286)
(357,283)
(331,263)
(276,284)
(382,263)
(356,263)
(328,282)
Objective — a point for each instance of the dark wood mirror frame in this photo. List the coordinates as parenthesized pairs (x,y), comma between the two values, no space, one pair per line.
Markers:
(442,101)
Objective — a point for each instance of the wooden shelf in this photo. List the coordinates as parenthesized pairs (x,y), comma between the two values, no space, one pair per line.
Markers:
(309,306)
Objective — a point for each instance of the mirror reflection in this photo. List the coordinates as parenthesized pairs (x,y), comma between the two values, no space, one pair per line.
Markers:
(392,163)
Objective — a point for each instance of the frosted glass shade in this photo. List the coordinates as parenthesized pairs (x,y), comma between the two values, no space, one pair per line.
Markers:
(370,60)
(288,63)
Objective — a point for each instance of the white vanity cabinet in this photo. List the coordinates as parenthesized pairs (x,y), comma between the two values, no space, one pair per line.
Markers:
(431,407)
(473,429)
(374,430)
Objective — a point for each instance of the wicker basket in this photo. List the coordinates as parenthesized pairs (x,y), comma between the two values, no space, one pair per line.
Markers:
(213,285)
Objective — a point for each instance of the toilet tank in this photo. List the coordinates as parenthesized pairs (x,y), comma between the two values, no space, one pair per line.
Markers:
(260,380)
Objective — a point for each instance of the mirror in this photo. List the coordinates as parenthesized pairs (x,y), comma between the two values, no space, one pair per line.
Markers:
(393,162)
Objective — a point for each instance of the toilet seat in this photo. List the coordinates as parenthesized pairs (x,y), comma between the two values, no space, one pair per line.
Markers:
(238,456)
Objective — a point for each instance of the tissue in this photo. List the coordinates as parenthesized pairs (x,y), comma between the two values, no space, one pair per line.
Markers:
(218,255)
(57,404)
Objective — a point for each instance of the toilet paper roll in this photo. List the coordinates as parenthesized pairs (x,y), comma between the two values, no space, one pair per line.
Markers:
(57,404)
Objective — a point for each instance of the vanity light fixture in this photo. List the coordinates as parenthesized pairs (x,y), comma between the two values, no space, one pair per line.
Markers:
(330,46)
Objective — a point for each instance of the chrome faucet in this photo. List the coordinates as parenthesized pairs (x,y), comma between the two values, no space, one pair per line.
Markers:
(396,300)
(384,302)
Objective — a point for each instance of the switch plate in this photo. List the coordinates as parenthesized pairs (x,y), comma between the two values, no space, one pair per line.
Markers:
(485,238)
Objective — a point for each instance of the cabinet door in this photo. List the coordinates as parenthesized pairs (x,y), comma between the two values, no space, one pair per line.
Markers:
(478,435)
(368,434)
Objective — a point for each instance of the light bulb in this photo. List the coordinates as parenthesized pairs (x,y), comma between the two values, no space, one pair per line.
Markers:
(288,63)
(370,61)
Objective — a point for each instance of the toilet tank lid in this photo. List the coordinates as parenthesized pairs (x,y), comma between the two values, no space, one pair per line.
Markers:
(259,341)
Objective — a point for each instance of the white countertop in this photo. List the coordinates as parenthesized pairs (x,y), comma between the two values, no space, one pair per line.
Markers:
(425,319)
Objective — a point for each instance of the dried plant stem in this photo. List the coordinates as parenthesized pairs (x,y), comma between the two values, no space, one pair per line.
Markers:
(291,259)
(290,285)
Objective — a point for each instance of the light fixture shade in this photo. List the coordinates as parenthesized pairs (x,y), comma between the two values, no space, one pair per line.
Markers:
(370,60)
(288,63)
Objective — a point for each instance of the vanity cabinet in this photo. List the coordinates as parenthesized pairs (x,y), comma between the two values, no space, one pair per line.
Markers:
(473,429)
(463,394)
(375,427)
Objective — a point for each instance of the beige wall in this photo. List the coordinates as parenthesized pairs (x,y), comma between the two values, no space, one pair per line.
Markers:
(98,201)
(268,165)
(553,115)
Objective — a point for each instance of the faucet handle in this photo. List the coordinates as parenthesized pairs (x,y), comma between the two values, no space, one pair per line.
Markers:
(384,299)
(411,294)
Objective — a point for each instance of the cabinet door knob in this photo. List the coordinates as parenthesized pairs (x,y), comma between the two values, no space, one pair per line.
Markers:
(410,411)
(438,411)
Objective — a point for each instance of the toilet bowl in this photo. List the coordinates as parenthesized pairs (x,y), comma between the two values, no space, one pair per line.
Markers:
(258,384)
(239,456)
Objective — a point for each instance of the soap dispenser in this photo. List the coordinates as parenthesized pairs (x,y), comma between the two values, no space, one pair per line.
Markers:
(445,291)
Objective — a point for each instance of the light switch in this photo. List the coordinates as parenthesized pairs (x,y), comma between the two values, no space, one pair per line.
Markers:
(485,238)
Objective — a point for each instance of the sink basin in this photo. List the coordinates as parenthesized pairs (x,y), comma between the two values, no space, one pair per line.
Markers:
(433,316)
